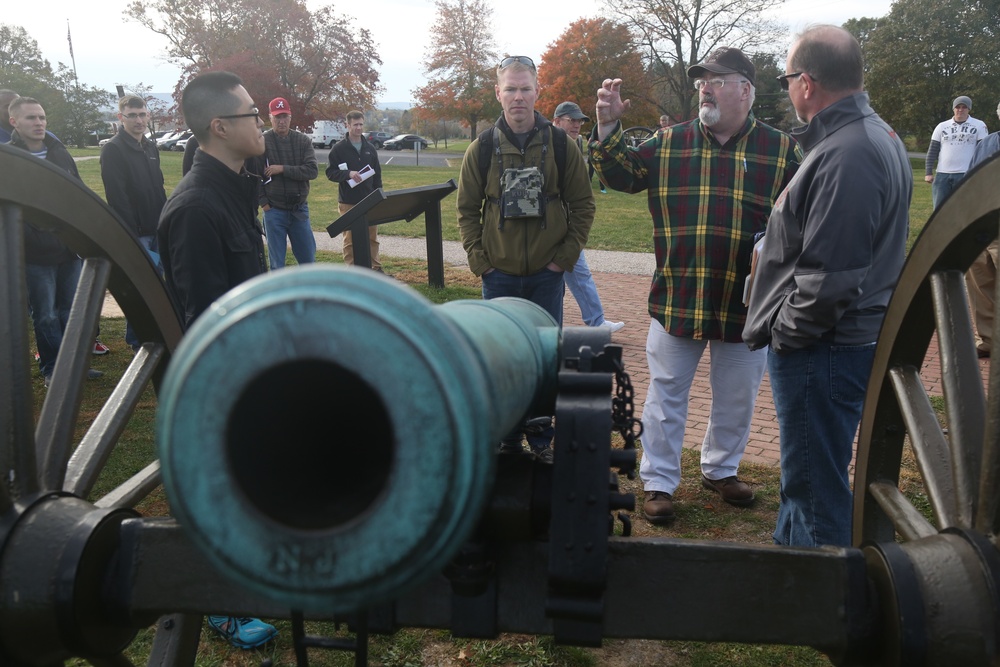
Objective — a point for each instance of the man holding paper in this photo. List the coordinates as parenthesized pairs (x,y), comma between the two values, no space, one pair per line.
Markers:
(354,164)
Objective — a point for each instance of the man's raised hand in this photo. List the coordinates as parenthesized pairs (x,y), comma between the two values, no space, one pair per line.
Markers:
(610,106)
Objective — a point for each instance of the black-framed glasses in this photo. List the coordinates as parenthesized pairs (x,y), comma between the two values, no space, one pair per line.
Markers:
(510,60)
(132,116)
(254,114)
(783,78)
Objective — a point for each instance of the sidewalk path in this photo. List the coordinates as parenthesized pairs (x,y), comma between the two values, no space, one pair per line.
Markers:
(623,282)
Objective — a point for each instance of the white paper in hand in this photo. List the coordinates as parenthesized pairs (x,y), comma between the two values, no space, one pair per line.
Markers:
(365,173)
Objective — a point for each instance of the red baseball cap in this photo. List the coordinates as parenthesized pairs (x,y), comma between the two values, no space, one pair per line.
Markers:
(279,106)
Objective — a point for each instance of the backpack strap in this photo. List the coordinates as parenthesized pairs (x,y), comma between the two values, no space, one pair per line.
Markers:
(489,145)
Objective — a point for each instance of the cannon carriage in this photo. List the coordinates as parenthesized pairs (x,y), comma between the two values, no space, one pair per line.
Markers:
(380,496)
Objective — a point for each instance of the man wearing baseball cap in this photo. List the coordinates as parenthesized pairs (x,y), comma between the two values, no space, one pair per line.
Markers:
(953,143)
(711,183)
(580,280)
(290,165)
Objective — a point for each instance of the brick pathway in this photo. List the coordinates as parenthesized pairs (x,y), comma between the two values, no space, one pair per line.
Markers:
(624,298)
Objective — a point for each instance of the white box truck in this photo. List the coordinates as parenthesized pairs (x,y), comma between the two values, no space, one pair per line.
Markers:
(326,133)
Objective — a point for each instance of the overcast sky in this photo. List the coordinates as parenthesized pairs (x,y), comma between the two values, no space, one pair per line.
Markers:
(110,50)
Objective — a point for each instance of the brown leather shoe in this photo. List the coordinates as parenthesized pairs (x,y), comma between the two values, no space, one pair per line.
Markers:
(658,507)
(732,490)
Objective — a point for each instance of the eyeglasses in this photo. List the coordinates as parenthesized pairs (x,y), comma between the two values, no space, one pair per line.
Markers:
(132,116)
(510,60)
(715,83)
(783,79)
(255,113)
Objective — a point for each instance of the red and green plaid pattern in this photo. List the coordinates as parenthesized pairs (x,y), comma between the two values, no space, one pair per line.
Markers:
(707,202)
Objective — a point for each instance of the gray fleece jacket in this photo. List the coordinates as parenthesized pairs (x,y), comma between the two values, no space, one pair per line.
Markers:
(836,238)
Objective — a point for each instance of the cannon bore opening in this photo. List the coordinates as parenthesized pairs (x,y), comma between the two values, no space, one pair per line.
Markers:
(310,444)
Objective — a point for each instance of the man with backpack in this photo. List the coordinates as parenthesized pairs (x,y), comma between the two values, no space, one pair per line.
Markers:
(526,212)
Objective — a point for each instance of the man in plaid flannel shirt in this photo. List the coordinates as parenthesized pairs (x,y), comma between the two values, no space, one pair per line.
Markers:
(711,183)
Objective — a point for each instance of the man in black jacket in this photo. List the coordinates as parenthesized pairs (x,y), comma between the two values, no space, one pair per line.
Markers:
(133,181)
(209,237)
(53,270)
(210,240)
(350,159)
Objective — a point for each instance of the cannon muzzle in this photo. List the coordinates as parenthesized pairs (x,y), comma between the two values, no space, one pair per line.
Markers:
(328,436)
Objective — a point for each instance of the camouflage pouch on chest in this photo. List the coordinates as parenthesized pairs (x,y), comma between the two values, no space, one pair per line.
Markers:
(522,193)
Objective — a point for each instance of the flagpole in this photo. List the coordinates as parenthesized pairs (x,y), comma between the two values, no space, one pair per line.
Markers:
(69,38)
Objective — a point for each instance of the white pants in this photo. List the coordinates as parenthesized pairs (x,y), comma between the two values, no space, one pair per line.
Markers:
(735,376)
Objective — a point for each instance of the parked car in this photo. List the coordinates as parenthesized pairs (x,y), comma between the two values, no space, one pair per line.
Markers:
(181,144)
(171,144)
(401,141)
(377,139)
(162,142)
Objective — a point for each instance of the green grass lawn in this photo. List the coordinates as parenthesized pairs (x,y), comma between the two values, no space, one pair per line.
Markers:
(622,221)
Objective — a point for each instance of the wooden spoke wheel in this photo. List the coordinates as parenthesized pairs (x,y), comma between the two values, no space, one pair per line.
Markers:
(941,570)
(636,135)
(49,531)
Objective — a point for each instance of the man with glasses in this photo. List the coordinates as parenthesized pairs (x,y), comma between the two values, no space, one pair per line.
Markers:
(711,183)
(834,248)
(210,240)
(133,181)
(580,281)
(528,220)
(290,165)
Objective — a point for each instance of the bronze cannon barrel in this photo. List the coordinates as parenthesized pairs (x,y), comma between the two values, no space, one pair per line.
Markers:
(328,436)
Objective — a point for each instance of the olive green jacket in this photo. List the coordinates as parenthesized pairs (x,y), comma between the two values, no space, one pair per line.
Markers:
(524,246)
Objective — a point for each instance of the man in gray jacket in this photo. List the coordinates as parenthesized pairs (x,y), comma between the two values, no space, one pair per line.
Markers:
(833,250)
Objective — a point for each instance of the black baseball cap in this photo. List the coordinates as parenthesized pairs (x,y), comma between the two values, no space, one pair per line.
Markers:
(726,60)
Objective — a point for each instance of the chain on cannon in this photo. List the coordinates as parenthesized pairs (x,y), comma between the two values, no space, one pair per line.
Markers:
(351,473)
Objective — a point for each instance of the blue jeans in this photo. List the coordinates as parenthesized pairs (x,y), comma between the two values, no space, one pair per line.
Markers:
(546,289)
(149,243)
(580,282)
(818,394)
(283,225)
(942,186)
(51,289)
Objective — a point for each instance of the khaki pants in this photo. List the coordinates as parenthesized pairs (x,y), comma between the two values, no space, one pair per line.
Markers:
(980,281)
(349,242)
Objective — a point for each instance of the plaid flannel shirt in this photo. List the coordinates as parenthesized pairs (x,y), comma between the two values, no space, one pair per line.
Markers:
(707,202)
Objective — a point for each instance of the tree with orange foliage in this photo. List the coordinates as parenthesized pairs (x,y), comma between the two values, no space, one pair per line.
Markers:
(588,51)
(315,58)
(461,63)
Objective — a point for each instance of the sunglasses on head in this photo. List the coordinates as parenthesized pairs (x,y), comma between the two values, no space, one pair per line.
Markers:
(510,60)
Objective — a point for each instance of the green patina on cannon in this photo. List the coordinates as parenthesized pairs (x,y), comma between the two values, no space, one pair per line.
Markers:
(351,460)
(337,433)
